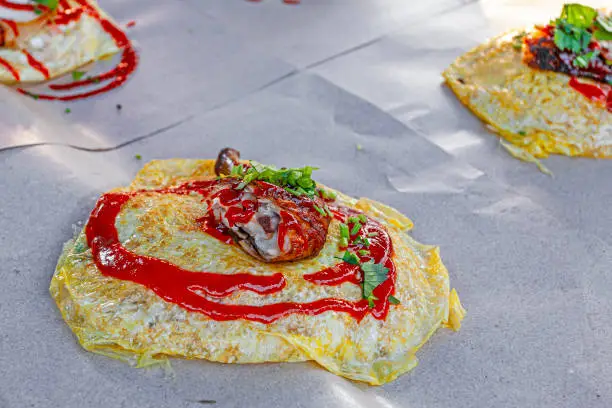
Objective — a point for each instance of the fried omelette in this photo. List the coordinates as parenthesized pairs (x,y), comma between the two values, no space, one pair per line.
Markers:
(39,44)
(545,90)
(152,275)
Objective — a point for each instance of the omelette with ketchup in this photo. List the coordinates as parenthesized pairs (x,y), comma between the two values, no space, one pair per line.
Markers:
(237,262)
(546,89)
(44,40)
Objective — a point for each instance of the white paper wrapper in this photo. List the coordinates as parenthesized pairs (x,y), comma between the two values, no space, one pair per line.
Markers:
(531,256)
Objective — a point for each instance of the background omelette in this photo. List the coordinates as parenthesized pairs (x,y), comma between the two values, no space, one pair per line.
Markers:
(525,86)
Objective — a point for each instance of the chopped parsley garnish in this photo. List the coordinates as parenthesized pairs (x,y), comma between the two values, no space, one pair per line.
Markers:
(576,27)
(571,38)
(603,25)
(602,32)
(297,181)
(517,40)
(77,75)
(578,15)
(350,258)
(373,275)
(67,110)
(583,61)
(138,157)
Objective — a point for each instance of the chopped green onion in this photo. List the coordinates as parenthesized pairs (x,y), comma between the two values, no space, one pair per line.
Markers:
(583,61)
(363,218)
(328,195)
(373,234)
(363,241)
(319,210)
(356,228)
(344,235)
(297,181)
(363,252)
(344,231)
(394,300)
(353,220)
(371,300)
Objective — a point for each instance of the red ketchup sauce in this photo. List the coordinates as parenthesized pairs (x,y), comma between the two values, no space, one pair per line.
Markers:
(10,69)
(598,93)
(192,290)
(37,65)
(13,26)
(21,6)
(64,15)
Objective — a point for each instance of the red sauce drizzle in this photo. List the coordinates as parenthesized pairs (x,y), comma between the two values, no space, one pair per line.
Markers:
(335,275)
(598,93)
(190,289)
(10,69)
(67,15)
(212,228)
(21,6)
(12,25)
(288,223)
(117,76)
(37,65)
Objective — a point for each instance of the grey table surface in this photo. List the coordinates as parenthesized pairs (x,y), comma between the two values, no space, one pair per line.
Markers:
(530,255)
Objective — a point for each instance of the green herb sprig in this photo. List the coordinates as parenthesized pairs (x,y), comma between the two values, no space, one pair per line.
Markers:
(77,75)
(583,61)
(373,274)
(297,181)
(571,38)
(577,25)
